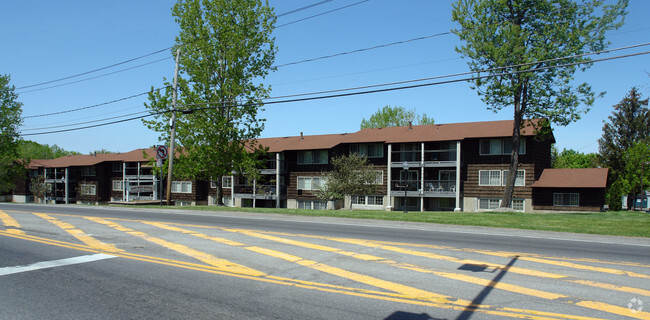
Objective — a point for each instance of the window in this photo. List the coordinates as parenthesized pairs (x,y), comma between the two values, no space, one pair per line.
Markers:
(518,204)
(88,171)
(226,181)
(499,178)
(312,157)
(311,183)
(566,199)
(494,203)
(118,185)
(500,146)
(312,205)
(182,186)
(372,150)
(489,178)
(117,167)
(368,200)
(88,189)
(519,181)
(488,203)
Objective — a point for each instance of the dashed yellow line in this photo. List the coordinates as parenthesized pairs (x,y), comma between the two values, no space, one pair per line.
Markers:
(199,255)
(600,306)
(79,234)
(11,223)
(411,292)
(569,265)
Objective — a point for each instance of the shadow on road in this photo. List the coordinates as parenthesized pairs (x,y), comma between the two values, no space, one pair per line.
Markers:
(469,310)
(402,315)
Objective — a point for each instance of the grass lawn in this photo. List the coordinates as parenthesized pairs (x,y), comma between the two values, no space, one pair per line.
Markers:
(621,223)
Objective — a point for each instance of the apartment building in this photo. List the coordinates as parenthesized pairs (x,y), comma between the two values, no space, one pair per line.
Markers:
(442,167)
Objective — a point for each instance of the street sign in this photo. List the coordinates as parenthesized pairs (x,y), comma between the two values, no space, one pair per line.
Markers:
(161,153)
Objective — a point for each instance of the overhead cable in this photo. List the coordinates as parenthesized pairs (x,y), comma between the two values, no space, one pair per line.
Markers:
(94,70)
(92,106)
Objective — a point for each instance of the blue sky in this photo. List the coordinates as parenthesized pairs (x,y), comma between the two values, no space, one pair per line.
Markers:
(48,40)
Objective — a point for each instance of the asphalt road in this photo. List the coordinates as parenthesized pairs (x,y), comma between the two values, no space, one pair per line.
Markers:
(79,262)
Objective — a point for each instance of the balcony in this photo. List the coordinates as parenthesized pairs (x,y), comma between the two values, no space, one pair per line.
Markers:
(271,166)
(432,188)
(264,191)
(432,158)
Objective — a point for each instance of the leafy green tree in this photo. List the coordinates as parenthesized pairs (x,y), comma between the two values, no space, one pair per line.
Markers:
(226,49)
(11,165)
(525,53)
(101,151)
(395,117)
(636,169)
(33,150)
(350,175)
(573,159)
(628,124)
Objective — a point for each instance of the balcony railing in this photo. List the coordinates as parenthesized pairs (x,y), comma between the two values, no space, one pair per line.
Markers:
(429,156)
(261,191)
(431,187)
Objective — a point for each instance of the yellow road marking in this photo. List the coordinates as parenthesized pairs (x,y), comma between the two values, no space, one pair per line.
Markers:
(11,223)
(524,271)
(199,255)
(509,254)
(600,306)
(614,287)
(79,234)
(395,287)
(569,265)
(504,312)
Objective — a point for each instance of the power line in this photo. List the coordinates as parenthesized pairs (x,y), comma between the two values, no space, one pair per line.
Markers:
(338,95)
(364,49)
(335,93)
(92,106)
(303,8)
(94,70)
(99,76)
(320,14)
(86,122)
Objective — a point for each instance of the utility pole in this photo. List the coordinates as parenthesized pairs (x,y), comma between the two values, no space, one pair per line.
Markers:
(172,124)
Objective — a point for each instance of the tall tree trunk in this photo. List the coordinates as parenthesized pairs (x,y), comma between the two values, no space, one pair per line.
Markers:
(219,193)
(519,108)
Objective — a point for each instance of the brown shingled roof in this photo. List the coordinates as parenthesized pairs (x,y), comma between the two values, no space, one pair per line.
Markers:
(436,132)
(573,178)
(82,160)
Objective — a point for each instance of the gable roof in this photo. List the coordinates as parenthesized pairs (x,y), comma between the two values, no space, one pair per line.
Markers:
(573,178)
(83,160)
(405,134)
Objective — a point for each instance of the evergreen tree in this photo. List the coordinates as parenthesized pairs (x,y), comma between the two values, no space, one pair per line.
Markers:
(628,126)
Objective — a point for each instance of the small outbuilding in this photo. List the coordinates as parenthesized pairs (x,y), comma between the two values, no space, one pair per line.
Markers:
(570,189)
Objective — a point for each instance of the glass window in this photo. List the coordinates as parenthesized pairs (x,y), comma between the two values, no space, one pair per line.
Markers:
(182,186)
(118,185)
(489,203)
(518,204)
(117,167)
(88,171)
(519,181)
(320,157)
(88,189)
(226,181)
(566,199)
